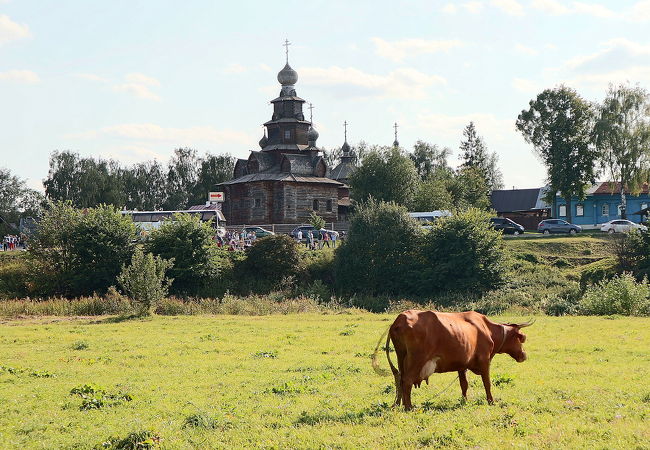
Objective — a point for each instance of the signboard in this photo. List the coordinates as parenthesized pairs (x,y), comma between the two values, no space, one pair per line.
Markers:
(214,197)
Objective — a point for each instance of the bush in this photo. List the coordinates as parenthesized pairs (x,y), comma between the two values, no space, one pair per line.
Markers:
(380,254)
(14,277)
(270,262)
(463,253)
(633,253)
(598,271)
(620,295)
(144,281)
(80,252)
(189,243)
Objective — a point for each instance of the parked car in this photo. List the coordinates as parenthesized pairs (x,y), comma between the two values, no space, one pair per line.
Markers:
(306,228)
(259,231)
(549,226)
(506,225)
(621,226)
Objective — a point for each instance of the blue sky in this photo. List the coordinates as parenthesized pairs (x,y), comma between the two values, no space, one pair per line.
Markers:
(133,80)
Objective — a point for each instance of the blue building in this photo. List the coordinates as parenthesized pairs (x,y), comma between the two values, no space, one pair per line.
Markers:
(602,205)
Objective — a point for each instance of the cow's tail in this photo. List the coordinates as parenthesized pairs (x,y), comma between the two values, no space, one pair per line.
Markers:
(375,359)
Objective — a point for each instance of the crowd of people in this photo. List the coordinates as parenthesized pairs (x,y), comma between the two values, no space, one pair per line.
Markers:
(236,240)
(12,242)
(317,239)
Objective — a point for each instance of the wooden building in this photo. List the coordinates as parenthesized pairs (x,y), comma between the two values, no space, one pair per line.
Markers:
(287,179)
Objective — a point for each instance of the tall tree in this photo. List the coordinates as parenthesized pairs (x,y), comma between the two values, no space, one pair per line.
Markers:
(429,157)
(474,153)
(16,201)
(559,124)
(386,174)
(622,134)
(145,186)
(212,170)
(182,176)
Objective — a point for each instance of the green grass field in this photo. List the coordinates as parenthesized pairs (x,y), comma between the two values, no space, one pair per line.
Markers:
(305,381)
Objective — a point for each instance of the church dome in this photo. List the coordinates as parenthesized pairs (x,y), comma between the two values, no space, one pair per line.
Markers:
(264,141)
(312,134)
(345,148)
(287,76)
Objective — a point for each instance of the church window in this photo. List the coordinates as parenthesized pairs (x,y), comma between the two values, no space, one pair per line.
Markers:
(258,202)
(329,205)
(315,205)
(287,134)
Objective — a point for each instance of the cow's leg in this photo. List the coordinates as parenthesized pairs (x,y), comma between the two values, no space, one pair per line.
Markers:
(406,391)
(462,376)
(485,375)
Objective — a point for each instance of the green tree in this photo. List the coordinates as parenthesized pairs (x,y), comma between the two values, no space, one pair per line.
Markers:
(429,158)
(379,254)
(213,169)
(474,153)
(622,134)
(182,176)
(78,253)
(316,221)
(559,124)
(190,244)
(144,281)
(385,175)
(470,189)
(16,201)
(145,186)
(462,253)
(432,195)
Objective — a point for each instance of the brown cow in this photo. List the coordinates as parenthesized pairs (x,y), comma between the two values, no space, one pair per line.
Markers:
(428,342)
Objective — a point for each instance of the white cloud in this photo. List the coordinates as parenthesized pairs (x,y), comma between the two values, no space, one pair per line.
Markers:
(11,31)
(524,85)
(616,53)
(19,76)
(175,136)
(639,12)
(402,83)
(593,9)
(511,7)
(139,78)
(449,8)
(138,90)
(473,7)
(265,68)
(526,50)
(399,50)
(234,68)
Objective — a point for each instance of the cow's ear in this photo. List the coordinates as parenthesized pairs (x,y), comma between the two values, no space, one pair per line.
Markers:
(521,336)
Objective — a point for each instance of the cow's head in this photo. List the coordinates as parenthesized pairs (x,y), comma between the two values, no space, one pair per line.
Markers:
(513,344)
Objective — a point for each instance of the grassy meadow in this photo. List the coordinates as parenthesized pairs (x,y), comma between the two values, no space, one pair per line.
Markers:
(305,381)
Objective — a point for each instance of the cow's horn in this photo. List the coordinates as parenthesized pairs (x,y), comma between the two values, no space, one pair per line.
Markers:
(526,324)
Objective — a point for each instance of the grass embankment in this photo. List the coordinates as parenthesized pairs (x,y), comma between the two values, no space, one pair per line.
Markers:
(305,381)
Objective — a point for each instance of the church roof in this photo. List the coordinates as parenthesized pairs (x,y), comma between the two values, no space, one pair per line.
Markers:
(280,176)
(342,171)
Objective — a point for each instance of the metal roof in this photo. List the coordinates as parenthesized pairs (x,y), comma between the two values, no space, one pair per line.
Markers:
(514,200)
(275,176)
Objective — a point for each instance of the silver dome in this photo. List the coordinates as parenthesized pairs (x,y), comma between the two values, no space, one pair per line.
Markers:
(287,76)
(312,134)
(263,141)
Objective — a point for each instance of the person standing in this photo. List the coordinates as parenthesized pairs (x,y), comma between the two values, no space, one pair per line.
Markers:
(299,236)
(310,240)
(326,238)
(334,238)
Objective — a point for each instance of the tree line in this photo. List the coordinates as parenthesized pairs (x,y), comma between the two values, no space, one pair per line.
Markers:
(423,180)
(579,140)
(88,182)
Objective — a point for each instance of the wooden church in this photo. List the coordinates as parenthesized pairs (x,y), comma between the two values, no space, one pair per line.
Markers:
(287,179)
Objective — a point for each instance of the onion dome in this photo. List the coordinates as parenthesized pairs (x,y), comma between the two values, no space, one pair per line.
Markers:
(287,76)
(312,136)
(345,148)
(264,141)
(395,143)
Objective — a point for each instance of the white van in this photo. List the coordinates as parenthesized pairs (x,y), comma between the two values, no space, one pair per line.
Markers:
(427,218)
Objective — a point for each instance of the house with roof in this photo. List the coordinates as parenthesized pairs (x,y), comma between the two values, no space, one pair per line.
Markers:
(602,204)
(524,206)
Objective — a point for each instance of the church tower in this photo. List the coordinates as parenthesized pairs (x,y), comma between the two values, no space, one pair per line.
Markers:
(286,180)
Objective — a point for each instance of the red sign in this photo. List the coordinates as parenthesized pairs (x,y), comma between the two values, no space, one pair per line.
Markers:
(216,197)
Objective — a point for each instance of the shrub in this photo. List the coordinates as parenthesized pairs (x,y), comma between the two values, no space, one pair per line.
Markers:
(270,261)
(463,253)
(78,253)
(14,277)
(316,221)
(144,281)
(598,271)
(620,295)
(189,243)
(379,255)
(633,253)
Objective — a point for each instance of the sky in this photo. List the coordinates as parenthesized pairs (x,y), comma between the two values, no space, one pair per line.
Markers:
(133,80)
